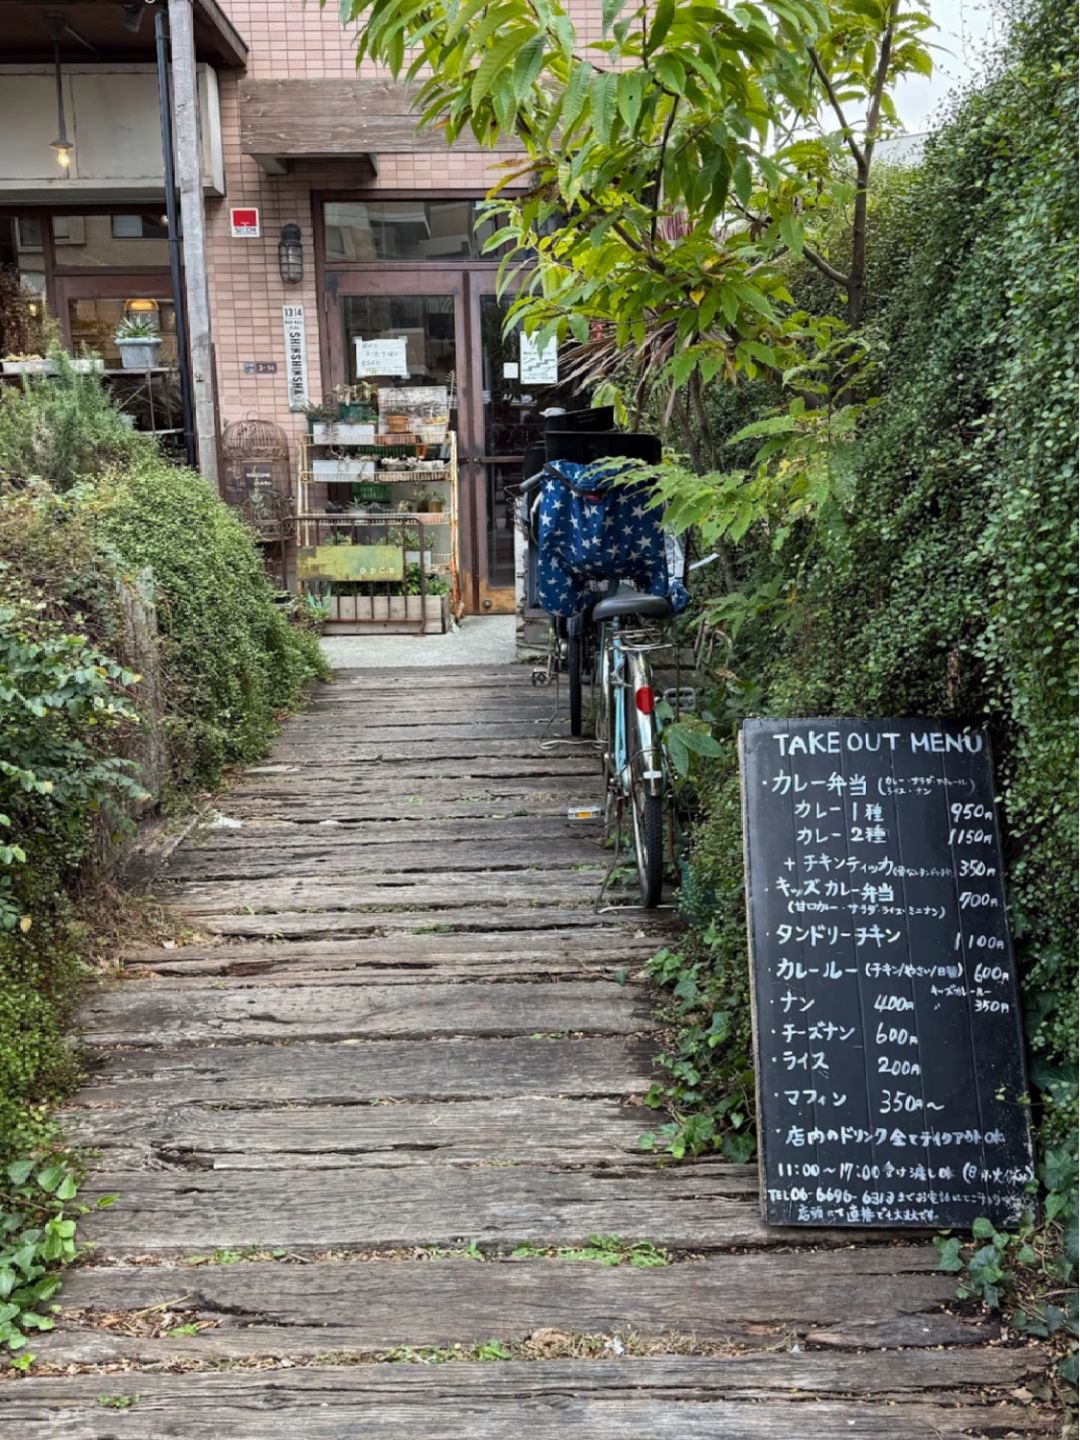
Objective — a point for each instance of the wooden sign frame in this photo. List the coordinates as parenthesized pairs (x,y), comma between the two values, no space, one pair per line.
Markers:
(889,1061)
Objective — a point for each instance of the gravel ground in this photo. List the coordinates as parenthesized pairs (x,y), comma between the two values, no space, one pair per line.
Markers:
(480,640)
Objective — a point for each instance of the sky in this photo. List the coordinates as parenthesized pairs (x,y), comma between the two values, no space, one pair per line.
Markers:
(966,30)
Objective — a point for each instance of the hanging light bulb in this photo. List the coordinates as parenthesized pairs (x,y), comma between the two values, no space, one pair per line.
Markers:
(62,145)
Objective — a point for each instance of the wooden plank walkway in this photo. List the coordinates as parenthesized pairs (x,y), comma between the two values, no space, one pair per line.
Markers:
(401,1048)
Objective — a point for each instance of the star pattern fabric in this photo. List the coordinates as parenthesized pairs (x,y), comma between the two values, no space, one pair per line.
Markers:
(591,530)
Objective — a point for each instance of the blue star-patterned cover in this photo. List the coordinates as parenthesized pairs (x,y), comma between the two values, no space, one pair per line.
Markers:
(594,529)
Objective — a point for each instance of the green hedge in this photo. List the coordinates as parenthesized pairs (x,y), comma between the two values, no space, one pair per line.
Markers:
(104,504)
(232,660)
(947,588)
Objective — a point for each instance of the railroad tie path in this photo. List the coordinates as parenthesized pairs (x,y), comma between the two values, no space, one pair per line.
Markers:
(398,1070)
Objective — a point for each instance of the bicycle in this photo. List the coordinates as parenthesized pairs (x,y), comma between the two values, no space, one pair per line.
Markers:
(629,729)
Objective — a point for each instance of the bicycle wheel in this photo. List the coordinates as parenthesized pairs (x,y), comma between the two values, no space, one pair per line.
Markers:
(649,846)
(573,669)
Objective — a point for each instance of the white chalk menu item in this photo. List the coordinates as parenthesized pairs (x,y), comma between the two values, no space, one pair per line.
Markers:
(887,1035)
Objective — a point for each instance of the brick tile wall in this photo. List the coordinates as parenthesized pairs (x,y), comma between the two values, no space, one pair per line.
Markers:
(289,39)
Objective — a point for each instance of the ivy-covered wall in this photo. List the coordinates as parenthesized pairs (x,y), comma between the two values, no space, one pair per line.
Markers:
(946,584)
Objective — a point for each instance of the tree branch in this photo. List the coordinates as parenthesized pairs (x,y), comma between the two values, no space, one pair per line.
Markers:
(873,114)
(820,263)
(660,171)
(823,76)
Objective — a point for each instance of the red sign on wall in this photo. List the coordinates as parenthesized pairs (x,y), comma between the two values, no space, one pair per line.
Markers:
(244,223)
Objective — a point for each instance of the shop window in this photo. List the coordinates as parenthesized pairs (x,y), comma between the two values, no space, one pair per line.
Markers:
(94,320)
(118,241)
(22,286)
(411,230)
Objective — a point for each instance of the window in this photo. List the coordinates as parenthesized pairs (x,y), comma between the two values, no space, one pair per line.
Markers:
(415,230)
(84,242)
(139,227)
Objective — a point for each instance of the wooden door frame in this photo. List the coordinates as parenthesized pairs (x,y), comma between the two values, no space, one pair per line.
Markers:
(470,278)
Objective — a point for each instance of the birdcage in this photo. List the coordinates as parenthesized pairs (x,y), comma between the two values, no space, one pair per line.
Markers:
(258,484)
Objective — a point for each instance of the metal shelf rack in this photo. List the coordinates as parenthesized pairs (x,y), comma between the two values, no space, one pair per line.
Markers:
(361,605)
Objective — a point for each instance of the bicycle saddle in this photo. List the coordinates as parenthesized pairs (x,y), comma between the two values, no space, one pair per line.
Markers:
(648,607)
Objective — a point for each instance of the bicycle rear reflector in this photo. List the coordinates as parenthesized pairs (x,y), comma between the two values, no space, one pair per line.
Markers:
(584,812)
(645,700)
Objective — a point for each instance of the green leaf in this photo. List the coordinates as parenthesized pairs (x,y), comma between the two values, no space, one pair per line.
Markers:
(665,14)
(603,104)
(791,232)
(609,11)
(527,67)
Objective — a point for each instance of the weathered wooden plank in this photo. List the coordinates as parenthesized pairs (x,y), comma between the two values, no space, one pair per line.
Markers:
(299,837)
(309,924)
(268,1308)
(686,1397)
(356,772)
(699,1208)
(523,1129)
(418,728)
(480,756)
(168,1011)
(358,962)
(445,888)
(368,1070)
(406,797)
(342,855)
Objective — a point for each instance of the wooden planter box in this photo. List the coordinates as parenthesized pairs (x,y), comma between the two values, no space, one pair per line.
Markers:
(355,614)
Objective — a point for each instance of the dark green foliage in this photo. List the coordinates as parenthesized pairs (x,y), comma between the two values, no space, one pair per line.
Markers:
(232,661)
(946,585)
(60,428)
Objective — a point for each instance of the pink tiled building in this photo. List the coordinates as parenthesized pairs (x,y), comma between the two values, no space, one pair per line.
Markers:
(292,131)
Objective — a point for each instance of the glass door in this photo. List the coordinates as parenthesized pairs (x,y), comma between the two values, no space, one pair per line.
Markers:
(419,314)
(510,397)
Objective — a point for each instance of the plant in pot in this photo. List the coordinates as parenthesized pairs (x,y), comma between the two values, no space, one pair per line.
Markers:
(316,413)
(356,404)
(429,502)
(138,341)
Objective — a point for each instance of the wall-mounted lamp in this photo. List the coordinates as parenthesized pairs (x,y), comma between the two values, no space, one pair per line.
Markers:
(62,145)
(290,254)
(150,308)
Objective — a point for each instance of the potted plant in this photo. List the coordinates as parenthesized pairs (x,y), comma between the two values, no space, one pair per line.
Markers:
(315,414)
(429,502)
(17,364)
(356,405)
(138,341)
(337,420)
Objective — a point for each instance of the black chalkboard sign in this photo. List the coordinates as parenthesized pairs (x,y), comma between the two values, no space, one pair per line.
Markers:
(890,1067)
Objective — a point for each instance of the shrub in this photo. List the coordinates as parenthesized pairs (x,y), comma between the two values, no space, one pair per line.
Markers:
(61,702)
(61,427)
(231,660)
(230,664)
